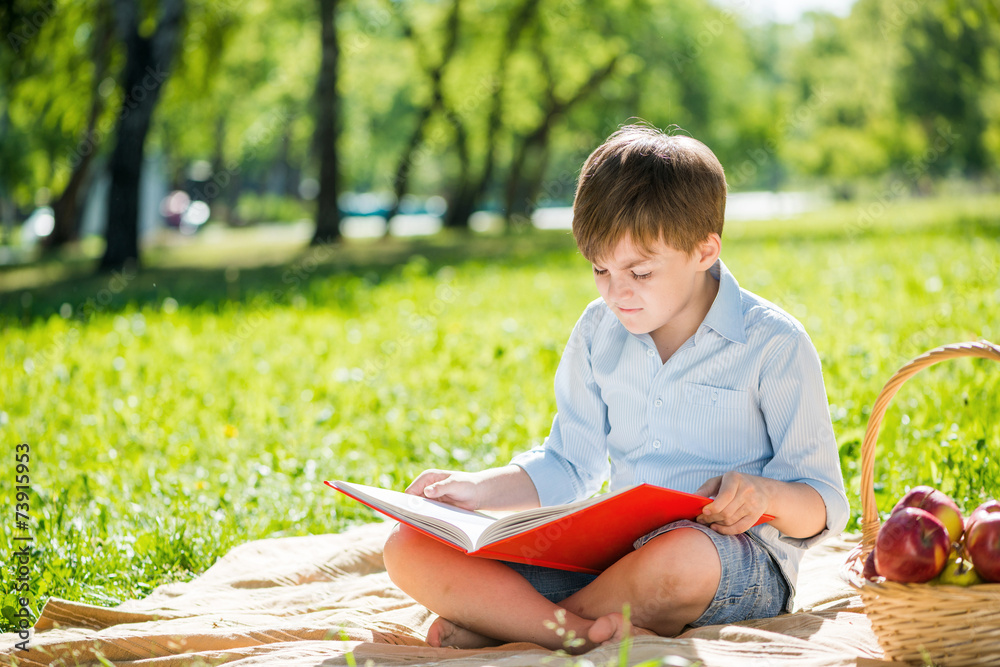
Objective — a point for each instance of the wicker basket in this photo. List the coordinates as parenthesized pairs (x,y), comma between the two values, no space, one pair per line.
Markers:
(949,625)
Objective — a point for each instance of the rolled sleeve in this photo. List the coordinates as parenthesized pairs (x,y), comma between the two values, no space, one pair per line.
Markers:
(838,512)
(554,477)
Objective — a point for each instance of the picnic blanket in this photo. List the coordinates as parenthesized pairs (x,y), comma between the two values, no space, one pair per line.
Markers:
(326,600)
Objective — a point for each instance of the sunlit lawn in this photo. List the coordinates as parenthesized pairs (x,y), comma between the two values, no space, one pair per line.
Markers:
(196,408)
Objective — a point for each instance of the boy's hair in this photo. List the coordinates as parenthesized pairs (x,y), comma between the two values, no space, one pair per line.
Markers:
(650,186)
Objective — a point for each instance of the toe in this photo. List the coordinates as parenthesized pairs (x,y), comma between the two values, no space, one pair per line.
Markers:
(439,632)
(606,628)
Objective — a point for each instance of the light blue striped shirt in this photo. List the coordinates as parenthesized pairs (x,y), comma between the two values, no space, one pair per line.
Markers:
(744,393)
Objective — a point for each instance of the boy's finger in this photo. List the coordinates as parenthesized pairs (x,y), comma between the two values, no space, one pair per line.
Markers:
(439,488)
(728,515)
(741,526)
(725,495)
(709,488)
(416,487)
(425,479)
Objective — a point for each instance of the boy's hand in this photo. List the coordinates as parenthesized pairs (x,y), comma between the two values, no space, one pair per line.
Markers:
(455,488)
(506,488)
(739,501)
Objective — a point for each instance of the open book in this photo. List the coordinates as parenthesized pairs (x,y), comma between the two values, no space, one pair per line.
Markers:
(585,536)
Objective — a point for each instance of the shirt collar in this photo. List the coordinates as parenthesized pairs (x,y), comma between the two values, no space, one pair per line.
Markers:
(726,314)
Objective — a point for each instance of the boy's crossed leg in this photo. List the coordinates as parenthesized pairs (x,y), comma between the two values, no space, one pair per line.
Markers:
(667,583)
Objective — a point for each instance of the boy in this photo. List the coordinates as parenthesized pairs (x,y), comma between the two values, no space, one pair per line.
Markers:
(677,377)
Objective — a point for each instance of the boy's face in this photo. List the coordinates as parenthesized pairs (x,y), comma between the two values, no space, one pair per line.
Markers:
(663,291)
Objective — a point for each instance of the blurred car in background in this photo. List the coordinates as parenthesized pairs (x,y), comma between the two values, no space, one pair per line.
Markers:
(182,213)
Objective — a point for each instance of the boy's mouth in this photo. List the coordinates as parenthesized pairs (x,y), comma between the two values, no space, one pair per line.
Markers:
(628,311)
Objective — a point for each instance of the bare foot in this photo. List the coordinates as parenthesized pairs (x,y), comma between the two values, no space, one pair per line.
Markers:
(613,628)
(444,633)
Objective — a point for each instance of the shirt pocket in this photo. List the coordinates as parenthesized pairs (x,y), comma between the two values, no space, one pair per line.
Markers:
(716,397)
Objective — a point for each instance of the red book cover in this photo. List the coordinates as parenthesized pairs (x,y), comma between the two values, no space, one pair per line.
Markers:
(587,536)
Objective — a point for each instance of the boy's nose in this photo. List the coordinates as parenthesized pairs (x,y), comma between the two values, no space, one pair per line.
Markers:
(618,288)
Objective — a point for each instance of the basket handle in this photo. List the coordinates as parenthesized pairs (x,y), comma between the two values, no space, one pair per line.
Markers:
(869,510)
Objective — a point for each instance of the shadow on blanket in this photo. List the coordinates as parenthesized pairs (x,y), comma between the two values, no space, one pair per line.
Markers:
(326,600)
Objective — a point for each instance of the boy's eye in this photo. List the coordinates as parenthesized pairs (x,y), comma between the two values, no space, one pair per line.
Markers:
(636,276)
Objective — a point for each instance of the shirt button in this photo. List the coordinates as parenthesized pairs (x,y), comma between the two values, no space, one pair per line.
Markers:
(650,352)
(656,444)
(658,403)
(715,395)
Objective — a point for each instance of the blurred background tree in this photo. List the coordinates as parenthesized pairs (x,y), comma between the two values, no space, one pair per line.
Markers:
(286,111)
(56,81)
(151,41)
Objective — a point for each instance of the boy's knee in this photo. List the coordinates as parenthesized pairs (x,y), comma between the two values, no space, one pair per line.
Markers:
(679,568)
(408,550)
(400,548)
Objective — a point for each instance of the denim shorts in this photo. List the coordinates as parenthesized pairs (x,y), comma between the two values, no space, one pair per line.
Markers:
(751,585)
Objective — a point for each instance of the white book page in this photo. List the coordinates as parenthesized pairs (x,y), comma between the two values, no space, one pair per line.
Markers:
(523,521)
(424,512)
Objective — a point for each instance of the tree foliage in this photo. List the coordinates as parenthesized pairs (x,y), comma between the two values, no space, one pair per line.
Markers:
(494,103)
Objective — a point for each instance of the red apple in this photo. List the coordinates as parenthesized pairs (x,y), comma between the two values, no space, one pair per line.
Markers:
(986,508)
(912,546)
(982,540)
(870,572)
(938,504)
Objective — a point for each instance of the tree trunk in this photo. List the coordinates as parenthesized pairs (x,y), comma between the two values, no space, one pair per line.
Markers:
(526,184)
(462,204)
(461,208)
(400,184)
(232,199)
(220,176)
(7,213)
(147,65)
(66,209)
(328,129)
(471,188)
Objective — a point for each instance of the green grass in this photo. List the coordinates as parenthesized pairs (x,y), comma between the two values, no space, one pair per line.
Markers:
(193,408)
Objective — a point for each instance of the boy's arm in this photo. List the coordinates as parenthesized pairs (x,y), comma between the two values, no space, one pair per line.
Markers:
(506,488)
(801,486)
(572,462)
(797,508)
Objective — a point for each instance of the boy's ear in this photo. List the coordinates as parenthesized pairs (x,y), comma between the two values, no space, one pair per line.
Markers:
(708,251)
